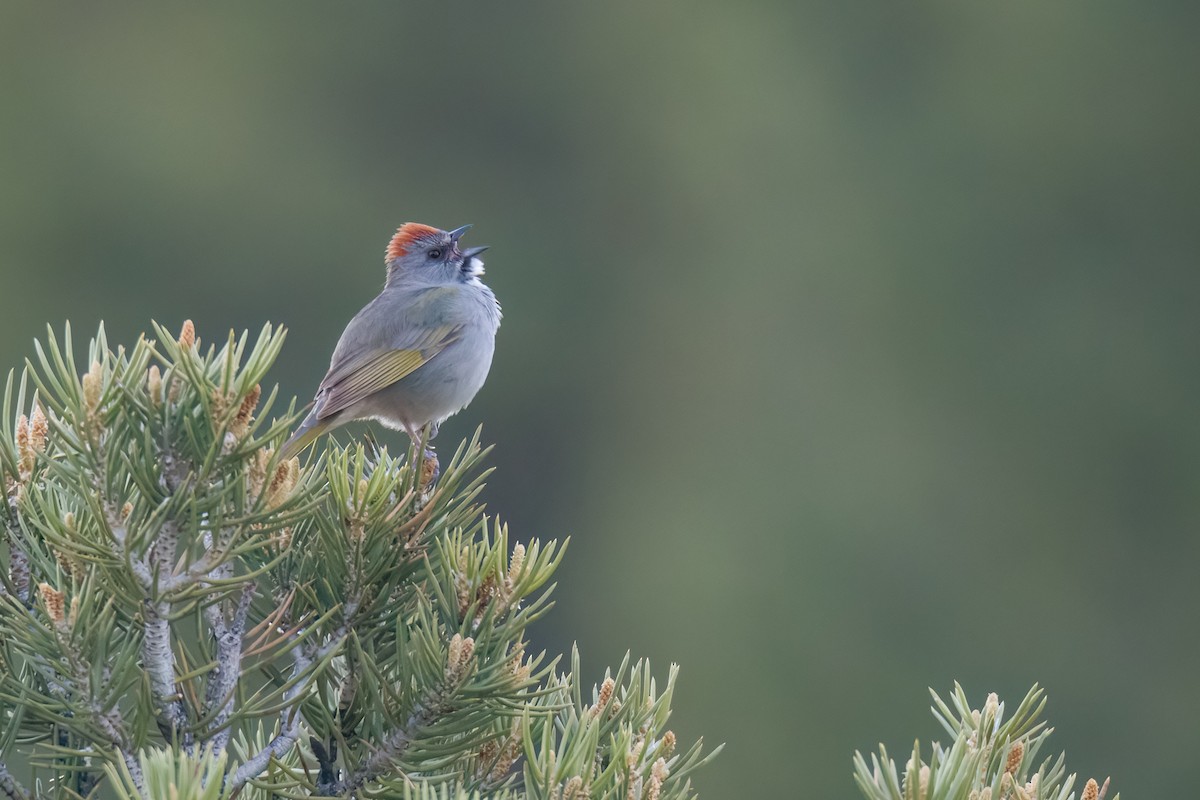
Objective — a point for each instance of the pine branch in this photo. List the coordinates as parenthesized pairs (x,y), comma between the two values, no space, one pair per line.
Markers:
(307,661)
(19,447)
(18,576)
(108,720)
(219,695)
(991,755)
(289,724)
(159,663)
(157,655)
(394,746)
(19,572)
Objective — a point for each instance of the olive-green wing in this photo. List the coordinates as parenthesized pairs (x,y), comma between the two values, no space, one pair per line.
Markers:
(365,373)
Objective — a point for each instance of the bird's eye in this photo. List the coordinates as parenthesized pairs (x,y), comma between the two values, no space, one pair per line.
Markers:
(435,254)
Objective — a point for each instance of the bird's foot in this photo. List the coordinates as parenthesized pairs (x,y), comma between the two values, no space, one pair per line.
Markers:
(431,470)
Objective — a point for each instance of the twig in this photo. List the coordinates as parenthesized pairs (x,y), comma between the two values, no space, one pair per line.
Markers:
(135,772)
(159,662)
(19,572)
(393,748)
(141,571)
(211,561)
(157,656)
(223,680)
(289,726)
(110,721)
(303,658)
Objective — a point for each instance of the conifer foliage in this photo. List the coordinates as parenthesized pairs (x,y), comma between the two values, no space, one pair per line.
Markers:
(184,614)
(991,756)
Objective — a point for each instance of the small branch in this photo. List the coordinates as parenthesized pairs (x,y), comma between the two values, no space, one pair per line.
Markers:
(289,726)
(158,658)
(9,787)
(141,572)
(210,561)
(135,772)
(18,570)
(109,722)
(224,678)
(159,662)
(290,718)
(213,561)
(393,748)
(20,573)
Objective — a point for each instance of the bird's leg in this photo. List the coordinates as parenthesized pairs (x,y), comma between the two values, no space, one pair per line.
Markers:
(424,458)
(430,468)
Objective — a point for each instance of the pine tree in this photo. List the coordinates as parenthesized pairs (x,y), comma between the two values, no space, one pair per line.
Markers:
(184,614)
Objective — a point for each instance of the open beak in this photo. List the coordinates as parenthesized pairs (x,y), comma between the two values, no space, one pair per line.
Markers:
(471,252)
(457,233)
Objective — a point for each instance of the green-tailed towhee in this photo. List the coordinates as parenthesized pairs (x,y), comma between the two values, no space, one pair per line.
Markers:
(419,351)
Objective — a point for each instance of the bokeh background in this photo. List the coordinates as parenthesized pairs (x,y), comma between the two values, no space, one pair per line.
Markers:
(854,344)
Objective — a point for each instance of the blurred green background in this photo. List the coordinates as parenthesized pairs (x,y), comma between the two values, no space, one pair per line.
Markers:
(854,344)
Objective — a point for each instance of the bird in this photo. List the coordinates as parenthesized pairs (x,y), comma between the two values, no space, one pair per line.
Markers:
(420,351)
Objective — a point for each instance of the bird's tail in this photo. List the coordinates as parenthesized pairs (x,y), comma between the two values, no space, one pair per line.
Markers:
(304,436)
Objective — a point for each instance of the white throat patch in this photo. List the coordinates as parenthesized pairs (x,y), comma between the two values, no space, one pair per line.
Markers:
(473,267)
